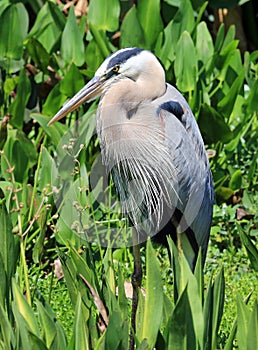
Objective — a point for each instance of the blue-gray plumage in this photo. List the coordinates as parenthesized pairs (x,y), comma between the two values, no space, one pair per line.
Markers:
(152,145)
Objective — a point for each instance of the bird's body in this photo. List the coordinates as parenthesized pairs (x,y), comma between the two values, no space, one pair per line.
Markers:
(151,144)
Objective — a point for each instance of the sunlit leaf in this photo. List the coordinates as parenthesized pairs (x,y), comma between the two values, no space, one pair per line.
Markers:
(150,19)
(131,30)
(204,43)
(48,26)
(104,15)
(72,46)
(186,63)
(14,25)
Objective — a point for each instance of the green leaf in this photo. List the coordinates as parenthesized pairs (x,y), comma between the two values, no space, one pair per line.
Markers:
(217,305)
(18,106)
(186,63)
(114,333)
(39,54)
(252,335)
(104,15)
(212,125)
(7,334)
(243,321)
(150,19)
(54,335)
(81,330)
(235,182)
(72,46)
(180,328)
(55,132)
(204,44)
(251,249)
(101,40)
(54,101)
(226,104)
(94,56)
(20,153)
(131,30)
(72,82)
(47,171)
(154,299)
(24,309)
(48,26)
(182,21)
(14,25)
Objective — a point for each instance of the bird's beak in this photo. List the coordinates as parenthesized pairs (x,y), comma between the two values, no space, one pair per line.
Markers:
(89,92)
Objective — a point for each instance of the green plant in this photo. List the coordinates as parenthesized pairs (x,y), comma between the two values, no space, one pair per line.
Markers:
(45,58)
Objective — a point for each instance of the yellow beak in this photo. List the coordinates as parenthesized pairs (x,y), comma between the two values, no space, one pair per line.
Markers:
(89,92)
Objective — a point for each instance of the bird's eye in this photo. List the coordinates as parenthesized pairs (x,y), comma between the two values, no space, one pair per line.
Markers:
(115,69)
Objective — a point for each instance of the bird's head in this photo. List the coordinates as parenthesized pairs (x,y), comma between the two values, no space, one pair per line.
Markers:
(130,64)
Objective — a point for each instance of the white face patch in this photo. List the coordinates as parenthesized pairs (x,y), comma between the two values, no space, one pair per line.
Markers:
(103,67)
(131,67)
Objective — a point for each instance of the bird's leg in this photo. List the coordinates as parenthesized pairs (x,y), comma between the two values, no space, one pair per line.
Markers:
(136,283)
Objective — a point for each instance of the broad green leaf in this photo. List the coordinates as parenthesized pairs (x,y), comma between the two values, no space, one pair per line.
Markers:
(72,46)
(54,101)
(204,44)
(180,328)
(154,299)
(17,107)
(182,21)
(185,63)
(114,332)
(101,40)
(54,335)
(48,26)
(47,171)
(14,25)
(24,309)
(93,56)
(165,52)
(104,15)
(150,20)
(55,132)
(212,125)
(131,30)
(235,182)
(226,105)
(20,153)
(72,82)
(81,330)
(47,324)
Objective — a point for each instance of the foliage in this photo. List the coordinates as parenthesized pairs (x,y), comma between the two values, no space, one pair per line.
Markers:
(48,193)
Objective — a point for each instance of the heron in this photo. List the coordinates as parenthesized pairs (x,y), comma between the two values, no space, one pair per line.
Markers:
(151,143)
